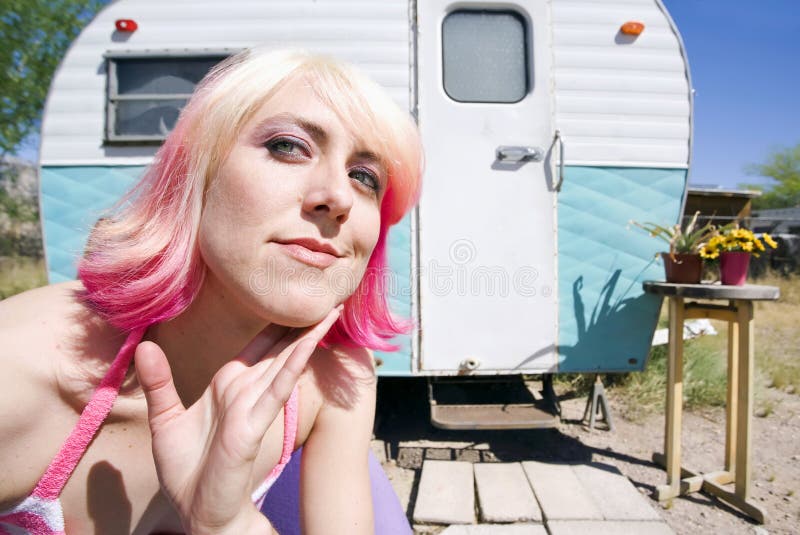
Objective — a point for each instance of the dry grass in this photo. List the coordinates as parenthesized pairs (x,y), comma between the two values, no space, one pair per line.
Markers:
(20,273)
(704,379)
(777,334)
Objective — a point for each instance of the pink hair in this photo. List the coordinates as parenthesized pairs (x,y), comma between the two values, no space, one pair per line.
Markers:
(142,266)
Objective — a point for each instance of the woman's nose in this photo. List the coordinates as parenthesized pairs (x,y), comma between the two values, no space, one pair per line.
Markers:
(331,196)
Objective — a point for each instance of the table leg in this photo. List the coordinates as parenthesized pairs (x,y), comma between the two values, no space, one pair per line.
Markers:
(672,430)
(740,497)
(731,404)
(744,407)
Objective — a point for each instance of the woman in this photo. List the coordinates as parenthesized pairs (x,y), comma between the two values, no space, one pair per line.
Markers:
(243,275)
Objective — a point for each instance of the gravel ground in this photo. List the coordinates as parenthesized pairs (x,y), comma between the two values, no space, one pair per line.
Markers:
(403,417)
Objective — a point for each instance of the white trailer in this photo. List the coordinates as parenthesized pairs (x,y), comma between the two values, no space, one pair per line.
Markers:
(548,125)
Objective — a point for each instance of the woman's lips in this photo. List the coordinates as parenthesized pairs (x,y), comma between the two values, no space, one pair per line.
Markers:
(307,256)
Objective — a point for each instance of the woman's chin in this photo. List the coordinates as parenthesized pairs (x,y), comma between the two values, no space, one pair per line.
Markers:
(301,313)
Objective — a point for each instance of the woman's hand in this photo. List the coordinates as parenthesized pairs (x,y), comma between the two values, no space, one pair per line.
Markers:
(204,455)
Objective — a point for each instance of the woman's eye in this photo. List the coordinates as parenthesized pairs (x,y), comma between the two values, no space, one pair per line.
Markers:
(286,147)
(367,178)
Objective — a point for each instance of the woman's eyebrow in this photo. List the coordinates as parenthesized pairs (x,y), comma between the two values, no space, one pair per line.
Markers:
(316,131)
(369,156)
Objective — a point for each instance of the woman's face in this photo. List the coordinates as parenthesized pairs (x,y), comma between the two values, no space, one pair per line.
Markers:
(292,218)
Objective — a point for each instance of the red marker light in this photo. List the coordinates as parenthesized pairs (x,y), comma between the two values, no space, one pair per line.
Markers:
(126,25)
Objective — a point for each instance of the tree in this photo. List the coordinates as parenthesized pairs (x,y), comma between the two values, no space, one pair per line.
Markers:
(35,35)
(783,167)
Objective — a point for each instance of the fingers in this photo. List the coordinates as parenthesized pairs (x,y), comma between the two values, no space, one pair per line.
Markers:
(276,390)
(276,357)
(271,341)
(264,342)
(155,376)
(319,330)
(271,357)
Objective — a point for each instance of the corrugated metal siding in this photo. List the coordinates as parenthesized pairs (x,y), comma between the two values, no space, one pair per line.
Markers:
(619,101)
(72,199)
(605,318)
(398,363)
(373,35)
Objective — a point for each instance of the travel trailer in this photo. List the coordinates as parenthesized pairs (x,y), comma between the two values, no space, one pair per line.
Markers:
(548,126)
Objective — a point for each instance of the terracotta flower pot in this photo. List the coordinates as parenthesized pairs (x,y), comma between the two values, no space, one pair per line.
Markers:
(685,269)
(733,267)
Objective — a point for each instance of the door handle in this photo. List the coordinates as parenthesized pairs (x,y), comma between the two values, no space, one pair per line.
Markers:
(558,139)
(519,154)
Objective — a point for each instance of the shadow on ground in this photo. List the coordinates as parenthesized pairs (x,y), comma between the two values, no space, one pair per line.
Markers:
(403,424)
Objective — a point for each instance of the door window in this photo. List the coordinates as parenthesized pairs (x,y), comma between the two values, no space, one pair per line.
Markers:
(485,56)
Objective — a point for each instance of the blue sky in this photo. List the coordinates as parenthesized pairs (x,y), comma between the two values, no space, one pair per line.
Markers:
(745,62)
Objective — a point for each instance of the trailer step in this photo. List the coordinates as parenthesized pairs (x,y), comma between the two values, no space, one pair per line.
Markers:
(480,403)
(491,417)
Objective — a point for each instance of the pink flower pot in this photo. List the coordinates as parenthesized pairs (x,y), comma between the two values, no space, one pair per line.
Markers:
(733,267)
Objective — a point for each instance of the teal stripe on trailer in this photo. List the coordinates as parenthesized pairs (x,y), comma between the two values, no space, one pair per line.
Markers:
(72,199)
(606,321)
(398,363)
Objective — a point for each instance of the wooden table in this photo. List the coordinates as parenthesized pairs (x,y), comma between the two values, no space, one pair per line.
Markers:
(738,312)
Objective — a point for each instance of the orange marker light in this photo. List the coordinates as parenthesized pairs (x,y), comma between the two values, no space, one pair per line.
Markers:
(632,28)
(126,25)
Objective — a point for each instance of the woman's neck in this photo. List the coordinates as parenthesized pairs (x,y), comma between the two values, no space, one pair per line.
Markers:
(198,342)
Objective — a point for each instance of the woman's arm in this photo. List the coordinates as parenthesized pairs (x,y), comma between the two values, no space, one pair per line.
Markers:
(335,497)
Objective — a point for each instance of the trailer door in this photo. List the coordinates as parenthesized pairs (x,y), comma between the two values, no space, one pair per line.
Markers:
(486,218)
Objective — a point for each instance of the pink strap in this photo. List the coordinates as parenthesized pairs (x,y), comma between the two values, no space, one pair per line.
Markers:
(62,466)
(290,417)
(32,522)
(289,434)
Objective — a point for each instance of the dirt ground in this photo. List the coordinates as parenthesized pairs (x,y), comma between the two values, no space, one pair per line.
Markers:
(403,420)
(775,462)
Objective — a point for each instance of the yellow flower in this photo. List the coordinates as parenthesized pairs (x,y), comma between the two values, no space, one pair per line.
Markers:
(769,240)
(747,246)
(758,243)
(709,252)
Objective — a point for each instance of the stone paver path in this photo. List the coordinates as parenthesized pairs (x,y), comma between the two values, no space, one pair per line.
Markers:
(532,498)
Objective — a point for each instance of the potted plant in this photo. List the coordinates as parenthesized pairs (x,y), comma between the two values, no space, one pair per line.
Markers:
(733,245)
(682,263)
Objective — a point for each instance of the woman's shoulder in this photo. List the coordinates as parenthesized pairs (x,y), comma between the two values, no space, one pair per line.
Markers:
(38,325)
(344,376)
(39,305)
(51,347)
(29,326)
(343,398)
